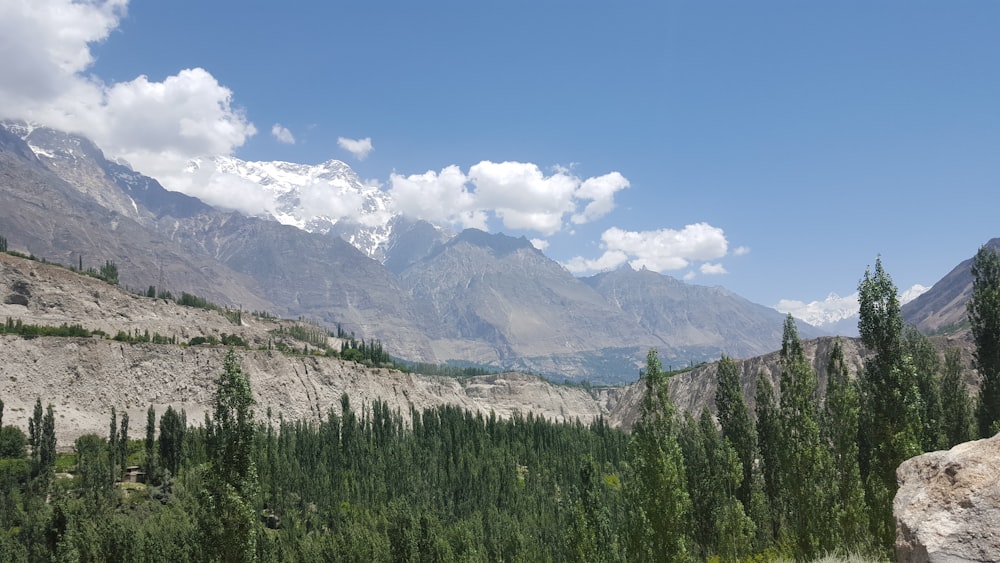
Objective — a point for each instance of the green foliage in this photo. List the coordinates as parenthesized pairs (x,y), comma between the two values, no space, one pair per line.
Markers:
(955,404)
(769,437)
(171,443)
(890,417)
(12,326)
(656,488)
(737,426)
(3,244)
(984,318)
(840,432)
(805,462)
(926,365)
(13,443)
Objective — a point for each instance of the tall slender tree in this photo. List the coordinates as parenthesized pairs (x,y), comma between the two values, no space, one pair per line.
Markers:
(656,490)
(123,443)
(890,399)
(840,432)
(926,365)
(737,426)
(769,438)
(984,318)
(113,450)
(150,463)
(805,463)
(231,532)
(955,403)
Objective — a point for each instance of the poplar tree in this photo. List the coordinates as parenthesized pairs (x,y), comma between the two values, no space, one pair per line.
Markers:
(656,490)
(926,365)
(955,403)
(231,532)
(984,318)
(890,399)
(150,441)
(805,463)
(113,450)
(769,437)
(840,432)
(736,424)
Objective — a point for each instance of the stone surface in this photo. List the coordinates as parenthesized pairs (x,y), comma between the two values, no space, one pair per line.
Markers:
(947,508)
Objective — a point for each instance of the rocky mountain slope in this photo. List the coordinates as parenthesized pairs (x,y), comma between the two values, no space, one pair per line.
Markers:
(475,297)
(84,377)
(942,308)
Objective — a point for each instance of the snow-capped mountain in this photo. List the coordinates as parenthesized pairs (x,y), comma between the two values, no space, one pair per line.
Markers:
(327,198)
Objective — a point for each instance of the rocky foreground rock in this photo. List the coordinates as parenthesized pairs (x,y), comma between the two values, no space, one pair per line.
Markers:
(947,508)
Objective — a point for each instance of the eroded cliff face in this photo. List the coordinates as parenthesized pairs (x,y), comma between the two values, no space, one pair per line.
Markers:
(84,377)
(947,507)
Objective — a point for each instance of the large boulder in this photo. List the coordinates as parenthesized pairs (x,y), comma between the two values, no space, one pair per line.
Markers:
(947,508)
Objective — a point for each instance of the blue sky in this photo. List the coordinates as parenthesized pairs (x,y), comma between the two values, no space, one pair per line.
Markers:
(774,148)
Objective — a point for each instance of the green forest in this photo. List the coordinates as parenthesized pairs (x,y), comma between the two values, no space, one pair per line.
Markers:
(799,476)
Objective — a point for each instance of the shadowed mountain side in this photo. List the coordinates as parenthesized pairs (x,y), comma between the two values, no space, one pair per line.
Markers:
(942,307)
(312,275)
(45,216)
(697,322)
(503,291)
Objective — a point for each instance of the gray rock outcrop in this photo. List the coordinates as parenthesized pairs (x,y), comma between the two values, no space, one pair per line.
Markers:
(947,508)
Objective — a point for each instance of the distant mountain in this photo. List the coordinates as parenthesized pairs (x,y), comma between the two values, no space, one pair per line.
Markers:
(941,309)
(498,299)
(429,295)
(693,322)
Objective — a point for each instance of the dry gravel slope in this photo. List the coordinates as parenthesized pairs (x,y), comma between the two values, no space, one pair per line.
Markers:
(84,377)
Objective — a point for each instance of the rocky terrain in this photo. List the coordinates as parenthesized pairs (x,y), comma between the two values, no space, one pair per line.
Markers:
(84,377)
(947,507)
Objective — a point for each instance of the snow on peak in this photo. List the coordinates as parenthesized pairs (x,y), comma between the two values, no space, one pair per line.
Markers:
(835,308)
(327,198)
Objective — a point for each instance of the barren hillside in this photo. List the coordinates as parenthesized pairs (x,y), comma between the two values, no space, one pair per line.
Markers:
(84,377)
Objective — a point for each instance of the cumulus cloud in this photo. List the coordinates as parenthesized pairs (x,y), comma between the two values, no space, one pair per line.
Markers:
(539,243)
(660,250)
(601,193)
(607,261)
(438,198)
(519,194)
(360,148)
(741,251)
(157,126)
(712,269)
(282,134)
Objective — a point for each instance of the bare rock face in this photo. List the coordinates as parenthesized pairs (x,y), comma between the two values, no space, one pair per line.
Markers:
(948,505)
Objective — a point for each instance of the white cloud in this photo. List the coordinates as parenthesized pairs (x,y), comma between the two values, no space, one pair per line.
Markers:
(540,244)
(710,269)
(660,250)
(282,134)
(360,148)
(601,191)
(519,194)
(689,276)
(522,196)
(158,127)
(438,198)
(607,261)
(741,251)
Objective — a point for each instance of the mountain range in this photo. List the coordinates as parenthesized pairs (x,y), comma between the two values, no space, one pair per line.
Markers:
(428,294)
